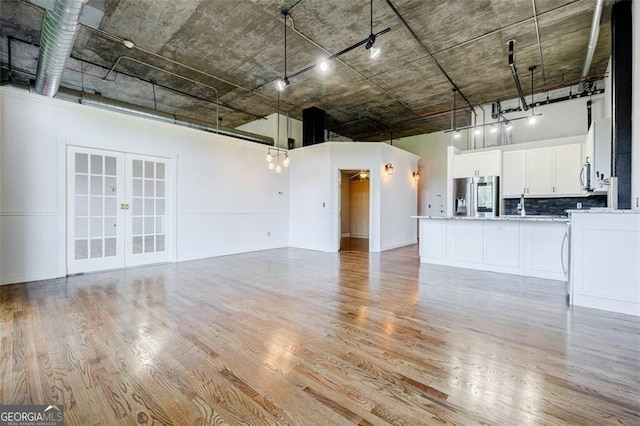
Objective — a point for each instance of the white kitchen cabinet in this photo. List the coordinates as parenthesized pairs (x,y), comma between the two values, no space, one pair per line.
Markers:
(604,271)
(514,173)
(567,165)
(542,172)
(486,163)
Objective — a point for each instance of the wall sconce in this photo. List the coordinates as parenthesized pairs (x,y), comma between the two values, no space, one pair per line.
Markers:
(416,176)
(273,155)
(388,169)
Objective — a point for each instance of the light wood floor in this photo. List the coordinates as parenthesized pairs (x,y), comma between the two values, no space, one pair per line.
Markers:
(292,336)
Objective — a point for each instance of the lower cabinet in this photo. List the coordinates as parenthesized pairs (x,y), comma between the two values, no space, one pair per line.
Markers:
(605,266)
(517,246)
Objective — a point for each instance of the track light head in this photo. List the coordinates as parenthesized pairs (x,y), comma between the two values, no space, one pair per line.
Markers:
(282,84)
(370,42)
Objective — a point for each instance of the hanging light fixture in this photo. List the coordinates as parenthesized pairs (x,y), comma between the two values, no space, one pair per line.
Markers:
(274,154)
(282,83)
(374,52)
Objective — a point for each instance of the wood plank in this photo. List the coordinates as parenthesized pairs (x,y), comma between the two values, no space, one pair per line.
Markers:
(298,337)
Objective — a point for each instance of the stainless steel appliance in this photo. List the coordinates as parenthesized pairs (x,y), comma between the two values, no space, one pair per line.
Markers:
(476,196)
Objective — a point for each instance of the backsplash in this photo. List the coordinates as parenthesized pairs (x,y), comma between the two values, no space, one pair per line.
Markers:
(552,206)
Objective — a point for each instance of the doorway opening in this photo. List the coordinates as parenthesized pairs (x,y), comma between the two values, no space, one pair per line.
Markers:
(354,210)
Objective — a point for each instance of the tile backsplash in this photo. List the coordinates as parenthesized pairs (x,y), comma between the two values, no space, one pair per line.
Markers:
(552,206)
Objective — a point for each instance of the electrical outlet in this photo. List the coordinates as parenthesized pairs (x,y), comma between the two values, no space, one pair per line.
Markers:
(578,206)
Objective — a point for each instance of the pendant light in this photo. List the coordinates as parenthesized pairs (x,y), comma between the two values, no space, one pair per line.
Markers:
(374,52)
(282,83)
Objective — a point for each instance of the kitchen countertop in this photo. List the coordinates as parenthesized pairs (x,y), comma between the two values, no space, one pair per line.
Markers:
(531,218)
(603,211)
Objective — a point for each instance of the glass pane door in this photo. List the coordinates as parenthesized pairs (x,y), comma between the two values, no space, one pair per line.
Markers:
(94,217)
(147,218)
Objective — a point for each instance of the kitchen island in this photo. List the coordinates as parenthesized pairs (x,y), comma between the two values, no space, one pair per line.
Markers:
(605,259)
(534,246)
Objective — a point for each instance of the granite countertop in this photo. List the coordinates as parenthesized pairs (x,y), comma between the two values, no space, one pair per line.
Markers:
(532,218)
(603,210)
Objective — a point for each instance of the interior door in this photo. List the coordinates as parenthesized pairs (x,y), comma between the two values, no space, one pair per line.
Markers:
(117,212)
(94,219)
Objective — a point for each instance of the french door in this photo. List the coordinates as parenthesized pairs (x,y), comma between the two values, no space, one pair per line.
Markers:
(117,212)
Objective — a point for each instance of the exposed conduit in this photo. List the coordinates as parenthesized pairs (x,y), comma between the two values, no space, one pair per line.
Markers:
(59,29)
(102,102)
(593,42)
(514,73)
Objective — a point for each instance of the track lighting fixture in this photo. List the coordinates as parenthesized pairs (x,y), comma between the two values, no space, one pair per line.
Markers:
(374,52)
(456,134)
(388,168)
(323,66)
(282,84)
(416,176)
(477,132)
(508,126)
(494,128)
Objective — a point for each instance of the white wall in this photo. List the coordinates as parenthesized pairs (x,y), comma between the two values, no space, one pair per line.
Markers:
(558,120)
(289,128)
(228,201)
(314,191)
(432,149)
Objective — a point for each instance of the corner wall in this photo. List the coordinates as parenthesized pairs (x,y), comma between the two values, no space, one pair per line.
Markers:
(227,200)
(315,194)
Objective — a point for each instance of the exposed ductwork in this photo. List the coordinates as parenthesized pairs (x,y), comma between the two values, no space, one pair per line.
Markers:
(126,108)
(593,42)
(514,73)
(59,29)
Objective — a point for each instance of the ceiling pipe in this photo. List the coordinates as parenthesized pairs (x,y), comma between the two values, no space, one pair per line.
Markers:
(59,29)
(593,42)
(102,102)
(514,73)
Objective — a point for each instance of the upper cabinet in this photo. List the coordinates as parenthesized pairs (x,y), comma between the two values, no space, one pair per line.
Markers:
(543,172)
(486,163)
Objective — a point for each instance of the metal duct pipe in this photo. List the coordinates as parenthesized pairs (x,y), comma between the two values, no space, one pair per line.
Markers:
(130,109)
(593,41)
(59,29)
(514,73)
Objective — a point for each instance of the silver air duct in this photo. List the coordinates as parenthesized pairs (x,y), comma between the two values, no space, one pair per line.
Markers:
(59,29)
(593,41)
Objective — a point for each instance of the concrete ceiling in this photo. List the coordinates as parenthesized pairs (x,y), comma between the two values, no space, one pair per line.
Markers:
(227,54)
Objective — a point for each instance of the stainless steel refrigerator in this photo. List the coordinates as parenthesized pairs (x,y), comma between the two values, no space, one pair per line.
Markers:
(476,196)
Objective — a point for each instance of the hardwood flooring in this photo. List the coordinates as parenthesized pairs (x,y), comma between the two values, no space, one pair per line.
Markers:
(354,244)
(291,336)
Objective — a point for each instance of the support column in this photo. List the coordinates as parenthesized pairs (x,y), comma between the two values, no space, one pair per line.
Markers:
(621,70)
